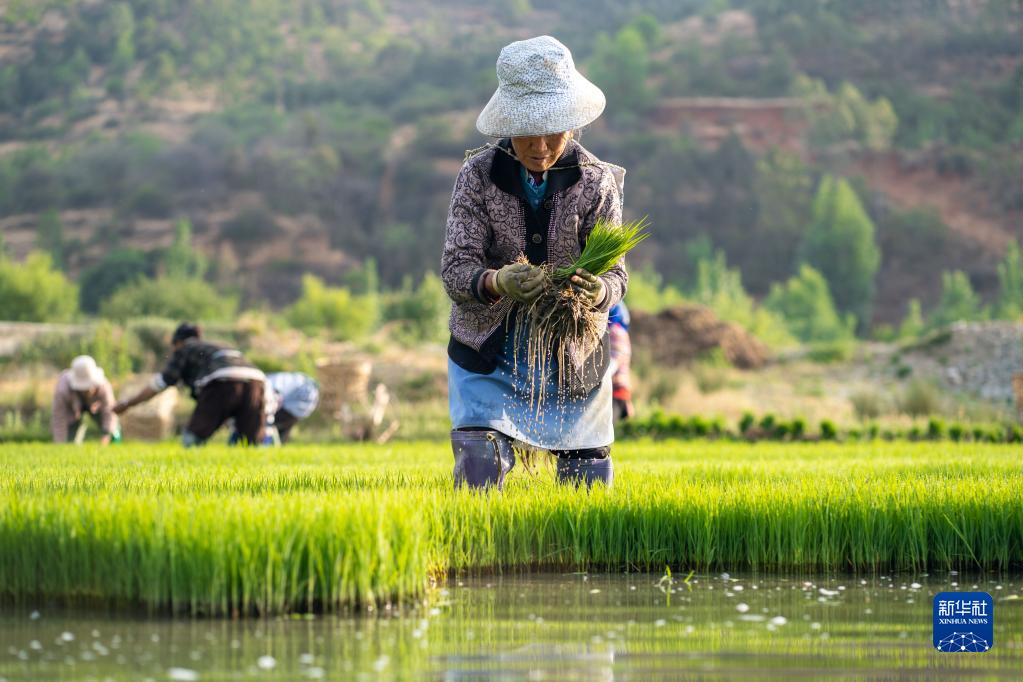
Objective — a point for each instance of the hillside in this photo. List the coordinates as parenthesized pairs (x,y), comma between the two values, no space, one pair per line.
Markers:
(310,135)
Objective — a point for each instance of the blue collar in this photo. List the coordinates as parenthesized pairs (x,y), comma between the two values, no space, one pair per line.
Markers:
(534,192)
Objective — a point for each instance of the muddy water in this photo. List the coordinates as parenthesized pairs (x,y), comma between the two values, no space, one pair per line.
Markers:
(557,627)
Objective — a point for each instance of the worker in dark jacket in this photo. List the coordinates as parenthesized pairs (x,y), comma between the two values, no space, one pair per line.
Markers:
(223,383)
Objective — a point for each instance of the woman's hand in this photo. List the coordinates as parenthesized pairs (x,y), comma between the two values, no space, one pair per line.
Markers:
(519,281)
(589,285)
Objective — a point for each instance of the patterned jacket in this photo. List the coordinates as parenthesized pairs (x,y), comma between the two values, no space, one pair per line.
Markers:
(197,363)
(490,224)
(69,406)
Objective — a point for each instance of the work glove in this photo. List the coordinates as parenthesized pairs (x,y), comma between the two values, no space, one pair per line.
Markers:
(521,282)
(590,286)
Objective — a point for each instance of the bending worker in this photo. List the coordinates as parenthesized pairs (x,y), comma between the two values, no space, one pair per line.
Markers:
(223,383)
(621,355)
(538,193)
(83,390)
(296,397)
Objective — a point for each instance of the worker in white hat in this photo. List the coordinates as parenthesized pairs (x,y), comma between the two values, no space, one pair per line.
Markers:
(535,193)
(83,390)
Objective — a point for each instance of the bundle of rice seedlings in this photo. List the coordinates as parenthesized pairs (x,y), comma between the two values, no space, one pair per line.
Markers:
(561,324)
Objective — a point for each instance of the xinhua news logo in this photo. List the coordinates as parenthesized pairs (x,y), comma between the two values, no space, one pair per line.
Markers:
(964,622)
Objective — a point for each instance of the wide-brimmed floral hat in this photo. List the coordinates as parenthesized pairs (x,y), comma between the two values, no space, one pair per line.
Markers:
(539,92)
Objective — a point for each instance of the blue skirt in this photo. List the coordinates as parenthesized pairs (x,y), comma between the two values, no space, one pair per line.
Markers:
(501,401)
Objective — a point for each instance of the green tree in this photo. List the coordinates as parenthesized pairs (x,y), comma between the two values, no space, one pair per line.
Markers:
(334,310)
(35,291)
(122,21)
(364,280)
(913,324)
(171,297)
(1010,281)
(840,245)
(848,116)
(958,301)
(9,95)
(620,66)
(804,302)
(784,189)
(99,282)
(50,236)
(182,260)
(514,10)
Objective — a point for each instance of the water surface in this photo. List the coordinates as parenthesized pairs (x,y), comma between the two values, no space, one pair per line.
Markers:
(556,627)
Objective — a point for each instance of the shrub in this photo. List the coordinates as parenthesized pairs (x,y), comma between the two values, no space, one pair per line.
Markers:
(661,386)
(699,426)
(711,372)
(34,291)
(935,428)
(115,270)
(797,428)
(333,310)
(920,399)
(868,404)
(18,428)
(746,422)
(648,292)
(828,430)
(150,201)
(423,310)
(153,334)
(1014,433)
(831,351)
(250,228)
(169,297)
(956,432)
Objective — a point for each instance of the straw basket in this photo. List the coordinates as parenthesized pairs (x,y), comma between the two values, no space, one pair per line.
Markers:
(343,382)
(153,419)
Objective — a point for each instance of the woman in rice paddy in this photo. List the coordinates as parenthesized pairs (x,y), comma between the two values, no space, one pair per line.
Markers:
(527,203)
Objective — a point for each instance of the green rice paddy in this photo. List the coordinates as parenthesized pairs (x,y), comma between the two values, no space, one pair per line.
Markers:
(224,531)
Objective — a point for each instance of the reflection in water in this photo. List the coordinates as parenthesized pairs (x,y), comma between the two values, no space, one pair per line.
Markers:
(576,626)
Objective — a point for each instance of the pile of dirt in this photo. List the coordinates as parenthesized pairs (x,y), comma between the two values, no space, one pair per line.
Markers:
(680,335)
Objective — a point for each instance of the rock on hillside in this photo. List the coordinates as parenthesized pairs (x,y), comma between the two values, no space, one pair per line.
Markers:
(680,335)
(975,357)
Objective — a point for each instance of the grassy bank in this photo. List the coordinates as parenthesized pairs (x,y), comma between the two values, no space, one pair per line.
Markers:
(223,531)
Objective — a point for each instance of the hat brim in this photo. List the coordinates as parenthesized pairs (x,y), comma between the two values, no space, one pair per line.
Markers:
(509,114)
(94,380)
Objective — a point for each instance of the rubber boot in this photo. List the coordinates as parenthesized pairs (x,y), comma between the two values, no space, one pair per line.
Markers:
(587,470)
(482,458)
